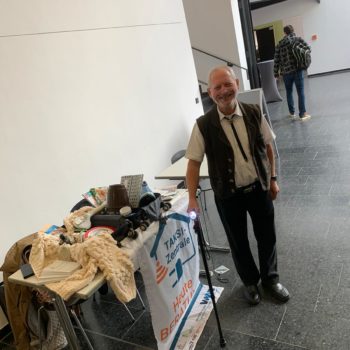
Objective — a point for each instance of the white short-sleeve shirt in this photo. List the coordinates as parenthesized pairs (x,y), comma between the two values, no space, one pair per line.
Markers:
(245,172)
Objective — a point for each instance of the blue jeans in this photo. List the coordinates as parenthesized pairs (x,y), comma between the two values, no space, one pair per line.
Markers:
(297,78)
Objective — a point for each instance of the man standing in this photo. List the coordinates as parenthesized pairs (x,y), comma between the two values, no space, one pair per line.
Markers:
(236,140)
(286,65)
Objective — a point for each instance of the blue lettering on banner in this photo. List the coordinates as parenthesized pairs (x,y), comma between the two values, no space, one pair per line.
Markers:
(206,297)
(169,244)
(172,240)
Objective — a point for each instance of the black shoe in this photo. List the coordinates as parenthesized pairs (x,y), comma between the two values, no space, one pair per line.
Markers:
(277,291)
(251,293)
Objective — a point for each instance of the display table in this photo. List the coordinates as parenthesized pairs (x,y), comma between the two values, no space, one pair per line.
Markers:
(60,306)
(167,255)
(84,293)
(177,171)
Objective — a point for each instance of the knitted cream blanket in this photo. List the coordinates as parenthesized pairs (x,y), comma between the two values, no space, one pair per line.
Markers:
(98,252)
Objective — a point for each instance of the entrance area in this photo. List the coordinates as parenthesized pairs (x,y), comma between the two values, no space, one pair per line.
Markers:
(265,44)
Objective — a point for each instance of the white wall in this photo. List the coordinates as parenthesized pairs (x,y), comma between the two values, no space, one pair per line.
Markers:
(215,27)
(329,20)
(89,91)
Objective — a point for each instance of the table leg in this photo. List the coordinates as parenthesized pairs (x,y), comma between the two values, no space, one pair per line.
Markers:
(211,247)
(82,330)
(215,248)
(65,321)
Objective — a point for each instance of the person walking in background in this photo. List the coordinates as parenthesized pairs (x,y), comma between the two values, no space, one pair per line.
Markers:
(237,139)
(285,64)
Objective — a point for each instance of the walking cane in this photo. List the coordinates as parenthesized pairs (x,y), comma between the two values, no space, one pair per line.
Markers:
(198,229)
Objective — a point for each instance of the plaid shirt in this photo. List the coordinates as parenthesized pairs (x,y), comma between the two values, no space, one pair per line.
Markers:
(284,60)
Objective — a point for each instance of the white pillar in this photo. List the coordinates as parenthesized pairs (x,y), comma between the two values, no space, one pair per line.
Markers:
(215,27)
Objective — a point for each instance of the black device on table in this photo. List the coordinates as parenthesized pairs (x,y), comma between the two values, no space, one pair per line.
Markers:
(27,270)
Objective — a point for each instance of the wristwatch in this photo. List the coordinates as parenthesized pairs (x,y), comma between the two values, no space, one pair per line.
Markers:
(273,178)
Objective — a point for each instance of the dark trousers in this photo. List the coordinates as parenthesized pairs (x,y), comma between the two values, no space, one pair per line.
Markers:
(233,214)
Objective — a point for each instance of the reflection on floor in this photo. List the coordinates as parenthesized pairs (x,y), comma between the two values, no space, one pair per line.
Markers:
(313,225)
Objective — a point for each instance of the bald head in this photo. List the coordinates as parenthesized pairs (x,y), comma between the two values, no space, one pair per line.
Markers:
(222,88)
(218,70)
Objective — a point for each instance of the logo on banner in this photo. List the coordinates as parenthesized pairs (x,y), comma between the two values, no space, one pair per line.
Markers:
(174,251)
(207,297)
(161,272)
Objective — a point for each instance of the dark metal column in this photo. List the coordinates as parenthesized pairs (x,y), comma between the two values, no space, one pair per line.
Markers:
(248,37)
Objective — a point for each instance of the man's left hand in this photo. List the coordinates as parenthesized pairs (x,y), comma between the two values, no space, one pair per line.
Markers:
(274,189)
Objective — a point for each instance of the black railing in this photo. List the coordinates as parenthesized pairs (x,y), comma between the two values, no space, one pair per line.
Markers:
(230,64)
(263,3)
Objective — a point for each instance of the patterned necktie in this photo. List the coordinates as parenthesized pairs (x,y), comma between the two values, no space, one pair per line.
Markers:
(230,119)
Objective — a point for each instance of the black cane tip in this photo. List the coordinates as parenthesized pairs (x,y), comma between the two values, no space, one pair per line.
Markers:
(222,342)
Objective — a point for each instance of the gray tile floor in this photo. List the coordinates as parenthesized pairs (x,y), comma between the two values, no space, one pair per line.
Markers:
(313,225)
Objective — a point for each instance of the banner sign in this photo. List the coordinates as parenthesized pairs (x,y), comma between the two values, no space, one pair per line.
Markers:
(197,317)
(170,270)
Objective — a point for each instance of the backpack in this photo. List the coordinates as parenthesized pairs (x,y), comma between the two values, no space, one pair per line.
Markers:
(302,54)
